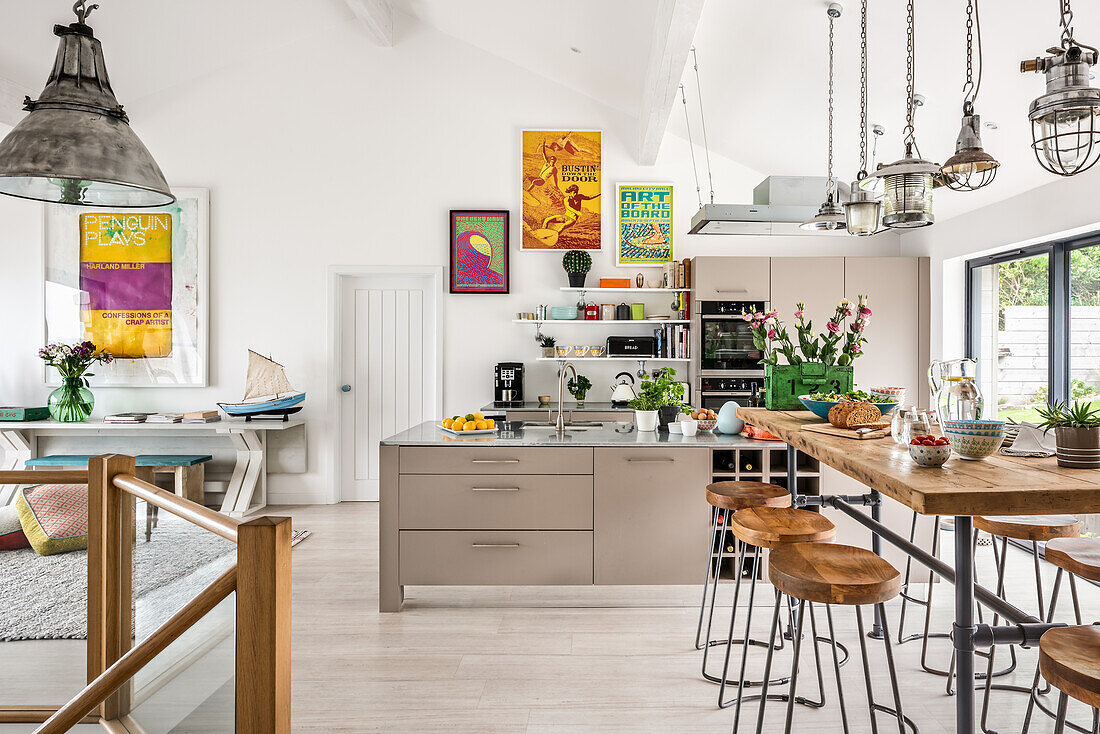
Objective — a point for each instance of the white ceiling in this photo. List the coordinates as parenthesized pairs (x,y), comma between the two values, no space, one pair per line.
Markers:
(762,65)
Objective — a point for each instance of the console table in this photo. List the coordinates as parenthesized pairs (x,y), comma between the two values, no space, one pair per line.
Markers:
(247,489)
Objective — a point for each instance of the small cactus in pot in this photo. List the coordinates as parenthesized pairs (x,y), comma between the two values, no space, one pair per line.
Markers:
(547,343)
(577,263)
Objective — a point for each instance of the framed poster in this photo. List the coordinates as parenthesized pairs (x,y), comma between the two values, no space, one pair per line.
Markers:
(479,251)
(645,224)
(133,281)
(561,189)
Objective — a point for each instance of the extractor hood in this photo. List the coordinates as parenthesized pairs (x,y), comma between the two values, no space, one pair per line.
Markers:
(779,205)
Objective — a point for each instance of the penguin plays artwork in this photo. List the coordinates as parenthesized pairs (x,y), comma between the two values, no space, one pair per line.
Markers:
(479,251)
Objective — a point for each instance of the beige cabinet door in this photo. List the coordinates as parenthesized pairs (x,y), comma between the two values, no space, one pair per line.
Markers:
(650,515)
(816,281)
(731,278)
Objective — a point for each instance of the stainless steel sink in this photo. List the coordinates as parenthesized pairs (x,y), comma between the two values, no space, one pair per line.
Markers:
(569,427)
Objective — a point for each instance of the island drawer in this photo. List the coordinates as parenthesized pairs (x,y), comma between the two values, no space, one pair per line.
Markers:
(473,558)
(495,502)
(473,459)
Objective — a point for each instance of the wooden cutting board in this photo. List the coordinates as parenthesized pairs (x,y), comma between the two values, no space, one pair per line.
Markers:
(831,430)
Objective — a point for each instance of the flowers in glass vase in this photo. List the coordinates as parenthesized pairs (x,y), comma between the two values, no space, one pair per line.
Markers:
(73,401)
(838,344)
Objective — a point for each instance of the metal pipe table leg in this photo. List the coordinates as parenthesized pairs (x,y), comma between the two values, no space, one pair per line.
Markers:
(963,631)
(876,547)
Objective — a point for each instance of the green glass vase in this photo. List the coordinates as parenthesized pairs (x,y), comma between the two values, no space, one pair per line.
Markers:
(72,402)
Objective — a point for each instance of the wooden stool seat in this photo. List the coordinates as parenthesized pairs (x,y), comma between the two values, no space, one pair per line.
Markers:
(739,495)
(828,573)
(1069,657)
(1079,556)
(771,527)
(1030,527)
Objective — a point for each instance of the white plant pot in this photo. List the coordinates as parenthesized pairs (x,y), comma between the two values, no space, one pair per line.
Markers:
(646,420)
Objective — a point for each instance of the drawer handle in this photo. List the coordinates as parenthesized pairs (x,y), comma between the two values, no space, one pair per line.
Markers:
(650,461)
(494,545)
(495,461)
(494,489)
(732,290)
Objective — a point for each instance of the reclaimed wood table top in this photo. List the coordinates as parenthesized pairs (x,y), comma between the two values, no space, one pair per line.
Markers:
(997,485)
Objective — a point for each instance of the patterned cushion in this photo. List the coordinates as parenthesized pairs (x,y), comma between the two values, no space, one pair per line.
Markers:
(54,517)
(11,532)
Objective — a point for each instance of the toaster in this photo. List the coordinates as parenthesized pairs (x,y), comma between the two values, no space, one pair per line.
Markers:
(632,346)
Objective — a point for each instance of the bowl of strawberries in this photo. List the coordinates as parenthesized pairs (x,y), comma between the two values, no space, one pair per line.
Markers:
(929,451)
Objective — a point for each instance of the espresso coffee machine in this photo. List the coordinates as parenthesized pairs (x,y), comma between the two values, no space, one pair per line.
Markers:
(508,385)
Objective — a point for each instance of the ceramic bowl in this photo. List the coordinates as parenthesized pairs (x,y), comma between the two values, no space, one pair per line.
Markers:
(707,425)
(688,427)
(974,440)
(563,313)
(821,408)
(895,394)
(674,427)
(930,456)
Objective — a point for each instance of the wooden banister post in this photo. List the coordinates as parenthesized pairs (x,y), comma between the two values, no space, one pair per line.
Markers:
(110,573)
(263,626)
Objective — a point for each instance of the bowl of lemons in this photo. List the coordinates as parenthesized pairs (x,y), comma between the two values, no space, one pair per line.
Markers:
(471,424)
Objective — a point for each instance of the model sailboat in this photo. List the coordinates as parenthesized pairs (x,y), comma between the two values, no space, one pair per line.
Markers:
(267,391)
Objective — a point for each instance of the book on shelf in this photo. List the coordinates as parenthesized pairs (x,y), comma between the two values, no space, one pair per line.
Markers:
(126,418)
(164,418)
(203,414)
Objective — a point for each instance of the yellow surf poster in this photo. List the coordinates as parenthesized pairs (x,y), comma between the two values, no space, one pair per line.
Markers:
(561,190)
(126,274)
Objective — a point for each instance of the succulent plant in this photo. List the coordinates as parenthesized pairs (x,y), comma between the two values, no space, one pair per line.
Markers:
(1060,415)
(545,340)
(577,261)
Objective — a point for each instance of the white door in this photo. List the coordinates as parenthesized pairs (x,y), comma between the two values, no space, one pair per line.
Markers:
(390,368)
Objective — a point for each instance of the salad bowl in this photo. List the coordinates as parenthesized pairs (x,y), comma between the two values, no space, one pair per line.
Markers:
(821,403)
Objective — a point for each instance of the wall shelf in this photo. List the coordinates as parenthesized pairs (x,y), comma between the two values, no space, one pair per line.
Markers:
(611,359)
(596,322)
(568,289)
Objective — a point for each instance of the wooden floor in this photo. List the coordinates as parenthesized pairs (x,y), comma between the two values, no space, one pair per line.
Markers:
(544,660)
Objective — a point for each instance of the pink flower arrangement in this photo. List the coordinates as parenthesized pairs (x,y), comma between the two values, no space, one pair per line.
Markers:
(833,326)
(837,345)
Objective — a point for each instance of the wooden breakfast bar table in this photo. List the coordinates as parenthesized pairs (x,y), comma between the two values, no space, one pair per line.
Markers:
(998,485)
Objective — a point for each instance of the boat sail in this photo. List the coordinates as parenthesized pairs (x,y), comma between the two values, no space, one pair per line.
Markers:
(267,391)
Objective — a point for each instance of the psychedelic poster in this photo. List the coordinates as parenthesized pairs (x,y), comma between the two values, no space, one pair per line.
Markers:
(126,274)
(561,190)
(645,224)
(479,251)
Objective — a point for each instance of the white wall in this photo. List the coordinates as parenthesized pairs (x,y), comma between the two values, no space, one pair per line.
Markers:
(335,152)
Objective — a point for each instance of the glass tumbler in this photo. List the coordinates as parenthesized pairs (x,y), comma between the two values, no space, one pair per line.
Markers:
(909,422)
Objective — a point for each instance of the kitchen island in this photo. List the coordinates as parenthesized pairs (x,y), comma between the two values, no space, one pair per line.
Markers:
(600,504)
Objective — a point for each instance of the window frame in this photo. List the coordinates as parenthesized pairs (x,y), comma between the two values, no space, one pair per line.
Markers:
(1058,303)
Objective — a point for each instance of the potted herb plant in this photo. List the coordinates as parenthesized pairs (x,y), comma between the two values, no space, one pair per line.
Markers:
(1076,432)
(547,343)
(578,388)
(659,400)
(577,263)
(73,401)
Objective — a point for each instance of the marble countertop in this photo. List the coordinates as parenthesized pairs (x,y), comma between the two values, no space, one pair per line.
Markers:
(588,407)
(606,434)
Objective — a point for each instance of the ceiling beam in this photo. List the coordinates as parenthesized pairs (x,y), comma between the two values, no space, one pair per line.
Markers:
(673,32)
(376,17)
(11,102)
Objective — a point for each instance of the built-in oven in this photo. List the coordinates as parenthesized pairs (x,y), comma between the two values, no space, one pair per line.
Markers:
(726,364)
(714,392)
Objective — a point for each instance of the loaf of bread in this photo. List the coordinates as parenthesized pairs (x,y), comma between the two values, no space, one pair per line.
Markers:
(854,415)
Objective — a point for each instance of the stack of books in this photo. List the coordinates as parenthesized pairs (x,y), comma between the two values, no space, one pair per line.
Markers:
(164,418)
(126,418)
(202,416)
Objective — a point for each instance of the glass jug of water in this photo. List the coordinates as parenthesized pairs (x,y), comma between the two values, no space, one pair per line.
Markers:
(955,392)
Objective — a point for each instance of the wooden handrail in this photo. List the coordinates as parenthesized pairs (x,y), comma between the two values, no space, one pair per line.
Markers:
(136,658)
(204,517)
(44,476)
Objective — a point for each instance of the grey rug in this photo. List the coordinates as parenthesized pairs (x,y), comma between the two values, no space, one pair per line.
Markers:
(45,598)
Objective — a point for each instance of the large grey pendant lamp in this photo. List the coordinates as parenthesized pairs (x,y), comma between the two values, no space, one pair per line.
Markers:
(76,145)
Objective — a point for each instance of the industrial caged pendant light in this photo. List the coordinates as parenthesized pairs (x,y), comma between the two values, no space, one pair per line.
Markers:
(907,201)
(971,167)
(830,216)
(1064,131)
(863,211)
(75,146)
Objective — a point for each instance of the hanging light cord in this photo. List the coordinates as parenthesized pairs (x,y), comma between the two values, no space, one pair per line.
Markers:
(703,121)
(830,185)
(909,133)
(973,32)
(691,148)
(862,93)
(1067,29)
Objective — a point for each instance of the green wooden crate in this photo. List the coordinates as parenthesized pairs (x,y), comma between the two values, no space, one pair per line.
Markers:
(783,383)
(24,414)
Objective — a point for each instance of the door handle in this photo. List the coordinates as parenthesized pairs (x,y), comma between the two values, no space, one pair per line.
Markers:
(345,388)
(732,290)
(494,489)
(494,545)
(494,461)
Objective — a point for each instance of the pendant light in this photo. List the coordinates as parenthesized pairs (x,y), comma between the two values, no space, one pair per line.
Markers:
(830,216)
(863,212)
(1065,133)
(75,146)
(971,167)
(907,199)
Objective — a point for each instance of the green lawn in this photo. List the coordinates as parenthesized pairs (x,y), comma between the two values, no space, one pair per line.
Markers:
(1019,415)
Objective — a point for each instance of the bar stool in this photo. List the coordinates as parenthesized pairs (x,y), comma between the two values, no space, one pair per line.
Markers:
(824,573)
(1069,657)
(771,528)
(1028,528)
(1078,557)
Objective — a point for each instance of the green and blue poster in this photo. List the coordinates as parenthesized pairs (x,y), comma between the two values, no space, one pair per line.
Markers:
(645,224)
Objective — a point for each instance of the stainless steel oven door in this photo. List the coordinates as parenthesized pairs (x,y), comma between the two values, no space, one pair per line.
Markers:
(727,345)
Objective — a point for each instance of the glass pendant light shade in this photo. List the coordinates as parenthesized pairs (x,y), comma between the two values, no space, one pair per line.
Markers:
(862,214)
(830,217)
(907,200)
(971,167)
(75,146)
